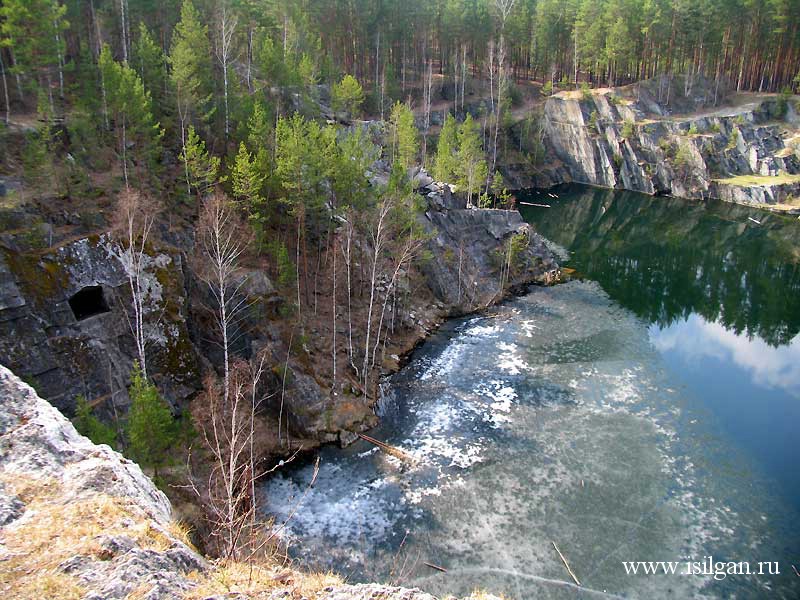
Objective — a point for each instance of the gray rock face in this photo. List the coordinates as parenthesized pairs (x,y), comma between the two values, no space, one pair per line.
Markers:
(755,194)
(40,450)
(634,144)
(89,520)
(64,324)
(469,247)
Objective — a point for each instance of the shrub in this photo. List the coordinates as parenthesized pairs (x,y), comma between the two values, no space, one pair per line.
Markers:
(89,425)
(547,88)
(693,129)
(593,122)
(347,95)
(628,128)
(733,140)
(586,92)
(783,101)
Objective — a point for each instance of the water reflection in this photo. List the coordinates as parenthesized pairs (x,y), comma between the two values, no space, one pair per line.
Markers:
(666,259)
(718,285)
(695,339)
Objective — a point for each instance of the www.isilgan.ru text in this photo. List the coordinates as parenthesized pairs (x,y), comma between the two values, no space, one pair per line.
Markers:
(708,567)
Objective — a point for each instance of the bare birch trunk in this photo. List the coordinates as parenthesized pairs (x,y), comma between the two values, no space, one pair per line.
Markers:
(5,88)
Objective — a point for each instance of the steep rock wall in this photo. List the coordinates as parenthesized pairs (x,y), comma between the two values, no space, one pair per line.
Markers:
(64,353)
(90,352)
(618,141)
(78,520)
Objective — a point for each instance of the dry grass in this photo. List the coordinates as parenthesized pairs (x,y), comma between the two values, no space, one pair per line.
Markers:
(52,531)
(484,595)
(49,584)
(257,580)
(759,180)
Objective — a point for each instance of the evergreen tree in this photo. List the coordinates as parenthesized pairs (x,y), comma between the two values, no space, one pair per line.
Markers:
(259,136)
(89,425)
(33,31)
(472,169)
(191,73)
(129,107)
(348,96)
(151,428)
(151,65)
(247,182)
(354,156)
(446,165)
(303,161)
(404,143)
(202,167)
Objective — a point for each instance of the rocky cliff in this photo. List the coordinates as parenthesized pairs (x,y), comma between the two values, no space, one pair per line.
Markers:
(80,521)
(65,304)
(631,139)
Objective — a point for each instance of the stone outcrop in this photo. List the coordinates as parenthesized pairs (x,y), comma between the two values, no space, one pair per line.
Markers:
(468,248)
(64,321)
(80,521)
(628,139)
(79,515)
(767,194)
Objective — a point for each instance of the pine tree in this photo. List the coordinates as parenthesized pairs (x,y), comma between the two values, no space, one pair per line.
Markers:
(354,155)
(89,425)
(151,428)
(201,167)
(472,169)
(348,96)
(405,143)
(33,30)
(259,136)
(130,111)
(446,164)
(150,63)
(247,183)
(191,73)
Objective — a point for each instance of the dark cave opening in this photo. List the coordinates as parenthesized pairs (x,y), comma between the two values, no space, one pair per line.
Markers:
(88,302)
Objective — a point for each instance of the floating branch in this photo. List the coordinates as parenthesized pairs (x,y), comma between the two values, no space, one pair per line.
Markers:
(396,452)
(566,564)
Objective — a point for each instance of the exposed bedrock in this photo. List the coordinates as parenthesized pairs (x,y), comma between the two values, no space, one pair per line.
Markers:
(626,139)
(64,315)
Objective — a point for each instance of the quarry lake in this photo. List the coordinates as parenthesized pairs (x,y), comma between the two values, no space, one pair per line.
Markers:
(646,410)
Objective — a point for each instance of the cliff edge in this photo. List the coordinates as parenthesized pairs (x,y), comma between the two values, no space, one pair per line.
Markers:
(79,521)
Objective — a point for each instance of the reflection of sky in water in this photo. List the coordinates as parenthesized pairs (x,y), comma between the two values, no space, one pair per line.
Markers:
(552,417)
(768,366)
(751,388)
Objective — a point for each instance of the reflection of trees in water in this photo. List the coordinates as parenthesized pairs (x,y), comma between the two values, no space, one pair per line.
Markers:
(665,258)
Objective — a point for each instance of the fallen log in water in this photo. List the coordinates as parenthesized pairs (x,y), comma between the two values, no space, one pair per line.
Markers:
(391,450)
(566,564)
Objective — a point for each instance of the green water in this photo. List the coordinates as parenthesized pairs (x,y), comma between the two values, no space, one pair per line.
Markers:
(718,285)
(645,412)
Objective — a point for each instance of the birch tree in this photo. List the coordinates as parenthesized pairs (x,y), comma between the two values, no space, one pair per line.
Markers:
(225,49)
(221,241)
(135,218)
(225,414)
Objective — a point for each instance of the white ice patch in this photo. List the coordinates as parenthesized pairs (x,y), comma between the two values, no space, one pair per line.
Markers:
(445,362)
(510,360)
(502,398)
(528,327)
